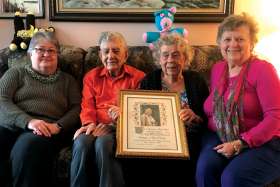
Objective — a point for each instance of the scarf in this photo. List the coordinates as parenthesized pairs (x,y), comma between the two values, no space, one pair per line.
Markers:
(228,116)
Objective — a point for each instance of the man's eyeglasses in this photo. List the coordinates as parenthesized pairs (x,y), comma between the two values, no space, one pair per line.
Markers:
(42,51)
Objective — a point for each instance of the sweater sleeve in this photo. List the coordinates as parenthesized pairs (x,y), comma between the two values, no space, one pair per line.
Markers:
(10,114)
(198,92)
(268,90)
(71,118)
(203,93)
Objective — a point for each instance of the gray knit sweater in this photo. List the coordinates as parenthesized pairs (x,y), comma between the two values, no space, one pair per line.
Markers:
(26,95)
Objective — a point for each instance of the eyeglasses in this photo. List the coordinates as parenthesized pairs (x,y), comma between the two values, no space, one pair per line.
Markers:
(42,51)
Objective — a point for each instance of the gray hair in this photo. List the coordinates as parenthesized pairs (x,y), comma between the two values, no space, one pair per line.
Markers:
(38,37)
(235,21)
(172,39)
(109,36)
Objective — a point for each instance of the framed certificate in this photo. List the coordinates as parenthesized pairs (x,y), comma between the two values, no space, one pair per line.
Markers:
(149,125)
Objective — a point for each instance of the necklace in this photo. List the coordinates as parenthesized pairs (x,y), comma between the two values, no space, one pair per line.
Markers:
(43,79)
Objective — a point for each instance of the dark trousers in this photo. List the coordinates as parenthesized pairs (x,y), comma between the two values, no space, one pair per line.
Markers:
(83,167)
(251,168)
(29,157)
(95,157)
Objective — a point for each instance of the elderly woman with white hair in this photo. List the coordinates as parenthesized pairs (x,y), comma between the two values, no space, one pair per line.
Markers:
(172,54)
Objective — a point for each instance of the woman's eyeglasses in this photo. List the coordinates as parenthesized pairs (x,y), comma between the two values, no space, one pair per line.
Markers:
(42,51)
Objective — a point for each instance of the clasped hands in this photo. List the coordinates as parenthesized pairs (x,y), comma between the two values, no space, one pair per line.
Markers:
(229,149)
(43,128)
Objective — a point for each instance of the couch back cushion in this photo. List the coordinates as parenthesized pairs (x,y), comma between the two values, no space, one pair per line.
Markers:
(71,60)
(77,61)
(202,58)
(4,53)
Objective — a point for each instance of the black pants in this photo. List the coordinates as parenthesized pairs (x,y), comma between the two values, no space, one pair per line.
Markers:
(30,158)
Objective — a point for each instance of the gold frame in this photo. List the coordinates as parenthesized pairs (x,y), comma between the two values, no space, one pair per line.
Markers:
(165,138)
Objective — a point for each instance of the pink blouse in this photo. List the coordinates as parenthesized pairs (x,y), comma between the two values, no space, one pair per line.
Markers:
(261,102)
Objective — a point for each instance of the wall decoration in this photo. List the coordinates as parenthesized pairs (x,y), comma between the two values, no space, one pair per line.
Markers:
(9,7)
(138,10)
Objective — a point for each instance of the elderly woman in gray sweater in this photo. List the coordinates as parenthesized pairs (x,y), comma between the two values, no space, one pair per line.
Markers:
(39,105)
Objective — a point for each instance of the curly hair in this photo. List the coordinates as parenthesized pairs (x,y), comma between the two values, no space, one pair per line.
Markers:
(172,39)
(235,21)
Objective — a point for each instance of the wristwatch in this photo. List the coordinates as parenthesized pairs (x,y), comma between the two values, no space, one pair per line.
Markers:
(59,126)
(244,144)
(238,145)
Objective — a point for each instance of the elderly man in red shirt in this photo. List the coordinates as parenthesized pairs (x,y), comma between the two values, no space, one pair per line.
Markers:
(96,138)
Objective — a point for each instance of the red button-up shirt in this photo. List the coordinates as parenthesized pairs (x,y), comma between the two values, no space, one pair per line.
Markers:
(101,90)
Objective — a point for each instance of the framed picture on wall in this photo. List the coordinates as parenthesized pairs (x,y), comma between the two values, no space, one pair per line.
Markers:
(9,7)
(149,125)
(139,10)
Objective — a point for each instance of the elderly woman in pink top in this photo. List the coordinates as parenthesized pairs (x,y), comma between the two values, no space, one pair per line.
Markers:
(242,147)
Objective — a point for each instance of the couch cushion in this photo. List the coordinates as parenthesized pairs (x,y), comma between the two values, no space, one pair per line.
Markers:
(71,60)
(203,59)
(3,60)
(18,58)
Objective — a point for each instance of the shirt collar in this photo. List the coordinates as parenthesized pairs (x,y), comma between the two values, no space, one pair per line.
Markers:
(124,71)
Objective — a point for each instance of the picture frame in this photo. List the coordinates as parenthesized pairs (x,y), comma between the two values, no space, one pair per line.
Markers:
(149,125)
(75,10)
(9,7)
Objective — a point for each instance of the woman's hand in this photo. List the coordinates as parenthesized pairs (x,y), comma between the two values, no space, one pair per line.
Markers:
(54,128)
(43,128)
(39,127)
(88,129)
(187,115)
(227,149)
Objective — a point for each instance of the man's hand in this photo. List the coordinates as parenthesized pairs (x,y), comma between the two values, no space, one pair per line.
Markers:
(114,112)
(102,129)
(88,129)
